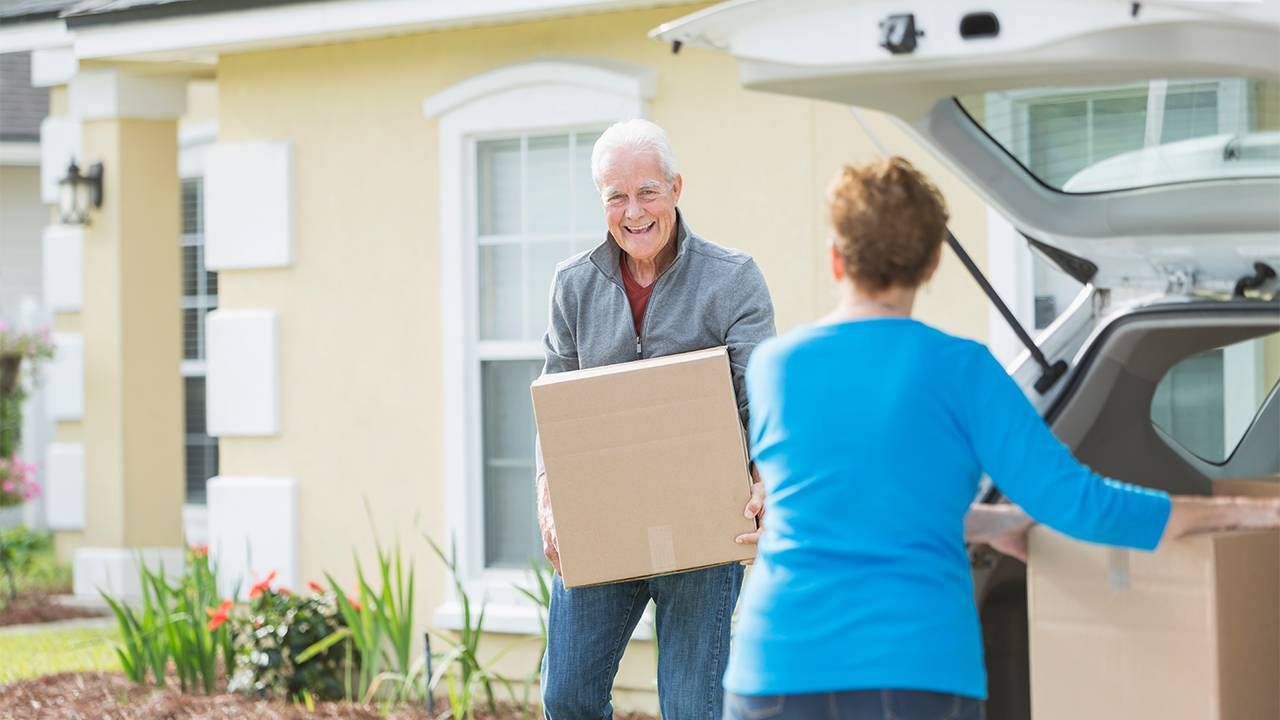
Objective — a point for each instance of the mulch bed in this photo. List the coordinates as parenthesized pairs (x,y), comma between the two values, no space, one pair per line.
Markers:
(35,607)
(111,696)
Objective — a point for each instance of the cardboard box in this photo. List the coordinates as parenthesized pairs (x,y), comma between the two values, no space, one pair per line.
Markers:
(1189,632)
(646,466)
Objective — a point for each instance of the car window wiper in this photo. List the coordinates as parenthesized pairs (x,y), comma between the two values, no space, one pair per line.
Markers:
(1049,373)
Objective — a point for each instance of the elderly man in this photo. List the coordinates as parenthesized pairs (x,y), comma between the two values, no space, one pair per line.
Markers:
(651,288)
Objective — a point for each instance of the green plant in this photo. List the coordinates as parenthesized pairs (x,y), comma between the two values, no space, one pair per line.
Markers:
(273,640)
(29,563)
(379,623)
(17,478)
(142,644)
(460,668)
(172,626)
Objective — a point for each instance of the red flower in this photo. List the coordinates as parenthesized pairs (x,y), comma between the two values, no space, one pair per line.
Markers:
(262,586)
(218,616)
(284,591)
(200,550)
(315,587)
(355,604)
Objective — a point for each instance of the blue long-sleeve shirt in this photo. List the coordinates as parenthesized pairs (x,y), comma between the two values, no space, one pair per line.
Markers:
(871,437)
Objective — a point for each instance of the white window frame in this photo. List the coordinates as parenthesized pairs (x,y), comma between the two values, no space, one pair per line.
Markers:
(538,97)
(194,142)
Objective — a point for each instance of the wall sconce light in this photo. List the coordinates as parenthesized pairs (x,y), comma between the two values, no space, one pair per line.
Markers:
(78,194)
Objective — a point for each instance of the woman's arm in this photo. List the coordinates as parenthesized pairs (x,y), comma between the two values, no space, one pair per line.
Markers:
(1005,527)
(1191,515)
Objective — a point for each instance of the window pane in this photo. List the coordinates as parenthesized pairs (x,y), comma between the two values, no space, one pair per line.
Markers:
(192,223)
(588,211)
(210,280)
(499,288)
(511,537)
(498,187)
(1207,402)
(1059,140)
(191,334)
(508,409)
(1190,114)
(540,271)
(190,266)
(547,185)
(1095,139)
(1119,125)
(511,532)
(194,389)
(201,450)
(201,464)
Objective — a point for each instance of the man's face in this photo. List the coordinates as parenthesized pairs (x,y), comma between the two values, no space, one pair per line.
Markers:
(639,203)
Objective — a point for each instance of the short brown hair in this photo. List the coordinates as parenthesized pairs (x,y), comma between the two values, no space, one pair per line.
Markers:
(889,221)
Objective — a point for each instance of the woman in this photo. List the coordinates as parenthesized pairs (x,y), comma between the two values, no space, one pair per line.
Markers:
(871,431)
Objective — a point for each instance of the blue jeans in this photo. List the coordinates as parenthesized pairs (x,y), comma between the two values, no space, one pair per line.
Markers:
(589,628)
(854,705)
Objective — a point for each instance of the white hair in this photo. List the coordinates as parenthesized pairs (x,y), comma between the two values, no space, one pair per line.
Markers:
(633,135)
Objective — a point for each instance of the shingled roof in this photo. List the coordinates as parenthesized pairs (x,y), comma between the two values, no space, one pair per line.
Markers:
(22,107)
(14,11)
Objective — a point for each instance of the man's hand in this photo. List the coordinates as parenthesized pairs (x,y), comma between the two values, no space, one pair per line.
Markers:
(754,509)
(1004,527)
(547,524)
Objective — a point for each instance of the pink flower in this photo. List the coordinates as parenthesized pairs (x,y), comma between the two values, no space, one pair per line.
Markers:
(8,486)
(4,326)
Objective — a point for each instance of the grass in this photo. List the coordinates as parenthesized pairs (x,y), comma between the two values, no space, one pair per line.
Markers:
(28,654)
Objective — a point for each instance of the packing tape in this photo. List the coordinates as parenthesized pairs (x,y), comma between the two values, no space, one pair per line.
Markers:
(1118,569)
(662,549)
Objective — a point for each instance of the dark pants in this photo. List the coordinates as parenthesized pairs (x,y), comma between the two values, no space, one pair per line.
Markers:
(855,705)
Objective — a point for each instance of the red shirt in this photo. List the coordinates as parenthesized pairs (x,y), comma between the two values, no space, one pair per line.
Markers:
(637,295)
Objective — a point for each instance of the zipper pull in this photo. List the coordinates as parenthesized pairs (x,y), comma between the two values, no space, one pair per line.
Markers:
(637,346)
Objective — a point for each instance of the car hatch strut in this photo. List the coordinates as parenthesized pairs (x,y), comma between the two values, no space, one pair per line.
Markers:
(1049,374)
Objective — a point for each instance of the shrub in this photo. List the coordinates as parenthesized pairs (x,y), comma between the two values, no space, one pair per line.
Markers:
(274,632)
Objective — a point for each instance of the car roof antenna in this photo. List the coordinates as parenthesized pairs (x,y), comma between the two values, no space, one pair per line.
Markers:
(1049,373)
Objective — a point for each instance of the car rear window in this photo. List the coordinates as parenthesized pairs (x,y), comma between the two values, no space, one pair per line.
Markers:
(1207,403)
(1106,138)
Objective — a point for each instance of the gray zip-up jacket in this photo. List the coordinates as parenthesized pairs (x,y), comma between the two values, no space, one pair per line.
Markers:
(709,296)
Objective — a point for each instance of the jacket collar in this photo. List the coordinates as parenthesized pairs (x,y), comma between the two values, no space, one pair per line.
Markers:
(608,254)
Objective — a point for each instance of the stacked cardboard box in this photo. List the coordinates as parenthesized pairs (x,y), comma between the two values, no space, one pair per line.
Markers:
(1189,632)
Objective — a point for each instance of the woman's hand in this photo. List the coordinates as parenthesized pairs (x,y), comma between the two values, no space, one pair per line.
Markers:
(1002,526)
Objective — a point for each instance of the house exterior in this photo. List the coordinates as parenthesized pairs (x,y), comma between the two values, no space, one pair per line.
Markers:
(305,318)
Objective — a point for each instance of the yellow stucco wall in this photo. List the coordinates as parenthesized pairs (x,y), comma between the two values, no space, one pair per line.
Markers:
(359,316)
(132,339)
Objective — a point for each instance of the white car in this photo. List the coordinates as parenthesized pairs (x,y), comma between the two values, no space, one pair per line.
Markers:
(1134,145)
